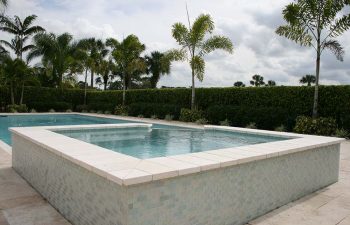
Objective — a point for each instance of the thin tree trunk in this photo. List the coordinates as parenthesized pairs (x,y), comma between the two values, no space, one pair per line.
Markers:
(318,62)
(22,94)
(85,86)
(92,78)
(124,89)
(12,94)
(193,92)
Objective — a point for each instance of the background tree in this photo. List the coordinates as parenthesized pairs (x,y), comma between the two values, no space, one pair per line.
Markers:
(22,30)
(194,45)
(56,51)
(271,83)
(127,55)
(3,5)
(239,84)
(106,70)
(158,64)
(308,79)
(257,80)
(316,24)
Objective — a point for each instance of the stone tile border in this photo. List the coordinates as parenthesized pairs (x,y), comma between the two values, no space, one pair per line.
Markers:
(127,170)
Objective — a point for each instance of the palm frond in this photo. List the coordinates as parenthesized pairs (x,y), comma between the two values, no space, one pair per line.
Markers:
(33,30)
(176,55)
(217,42)
(336,48)
(203,25)
(340,26)
(198,66)
(28,21)
(180,33)
(295,33)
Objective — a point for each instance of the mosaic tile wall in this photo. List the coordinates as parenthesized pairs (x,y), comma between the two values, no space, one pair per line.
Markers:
(229,196)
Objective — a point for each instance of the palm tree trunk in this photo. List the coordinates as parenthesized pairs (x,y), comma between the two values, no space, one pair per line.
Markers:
(318,62)
(193,92)
(12,94)
(92,78)
(85,86)
(22,94)
(124,89)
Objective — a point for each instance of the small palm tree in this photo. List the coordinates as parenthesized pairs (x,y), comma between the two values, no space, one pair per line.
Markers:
(126,55)
(194,46)
(308,79)
(22,30)
(271,83)
(257,80)
(157,65)
(57,53)
(239,84)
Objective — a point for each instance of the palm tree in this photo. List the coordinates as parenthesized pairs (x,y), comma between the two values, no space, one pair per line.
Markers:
(96,51)
(239,84)
(257,80)
(22,30)
(56,51)
(271,83)
(316,24)
(105,70)
(157,65)
(308,79)
(128,60)
(194,46)
(13,71)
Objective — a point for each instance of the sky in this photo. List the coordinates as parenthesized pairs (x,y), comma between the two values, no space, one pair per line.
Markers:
(250,25)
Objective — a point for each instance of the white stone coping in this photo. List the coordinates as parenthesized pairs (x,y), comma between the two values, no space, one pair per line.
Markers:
(5,147)
(127,170)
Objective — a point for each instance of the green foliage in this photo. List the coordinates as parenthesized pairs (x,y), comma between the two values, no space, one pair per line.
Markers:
(342,133)
(188,115)
(202,121)
(281,128)
(225,122)
(121,110)
(320,126)
(169,117)
(47,106)
(17,108)
(149,109)
(251,125)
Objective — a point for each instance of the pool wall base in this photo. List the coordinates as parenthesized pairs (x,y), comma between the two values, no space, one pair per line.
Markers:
(231,195)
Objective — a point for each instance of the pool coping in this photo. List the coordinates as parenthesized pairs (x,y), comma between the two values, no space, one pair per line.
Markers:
(126,170)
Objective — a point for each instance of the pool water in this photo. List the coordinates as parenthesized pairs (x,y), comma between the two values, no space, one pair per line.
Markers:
(153,142)
(47,120)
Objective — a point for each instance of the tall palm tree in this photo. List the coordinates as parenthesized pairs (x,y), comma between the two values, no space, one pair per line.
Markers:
(316,24)
(308,79)
(157,65)
(56,51)
(257,80)
(97,51)
(127,55)
(194,45)
(22,30)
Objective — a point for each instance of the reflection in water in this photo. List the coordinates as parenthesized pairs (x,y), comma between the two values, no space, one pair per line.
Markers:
(164,141)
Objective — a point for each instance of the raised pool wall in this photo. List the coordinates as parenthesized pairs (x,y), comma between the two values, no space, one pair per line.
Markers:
(230,195)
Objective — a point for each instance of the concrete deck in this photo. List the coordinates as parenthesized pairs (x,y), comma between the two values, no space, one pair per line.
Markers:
(21,205)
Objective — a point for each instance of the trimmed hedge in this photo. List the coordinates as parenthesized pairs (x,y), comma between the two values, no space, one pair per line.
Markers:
(253,104)
(150,109)
(46,106)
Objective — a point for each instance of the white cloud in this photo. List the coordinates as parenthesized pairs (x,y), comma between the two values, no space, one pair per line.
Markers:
(249,24)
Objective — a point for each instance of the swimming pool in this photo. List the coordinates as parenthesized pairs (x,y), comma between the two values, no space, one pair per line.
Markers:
(160,141)
(7,121)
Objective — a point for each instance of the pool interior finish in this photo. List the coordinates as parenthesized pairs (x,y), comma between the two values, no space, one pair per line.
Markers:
(158,141)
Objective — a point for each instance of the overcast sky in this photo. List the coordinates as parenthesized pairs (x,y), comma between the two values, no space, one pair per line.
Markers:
(249,24)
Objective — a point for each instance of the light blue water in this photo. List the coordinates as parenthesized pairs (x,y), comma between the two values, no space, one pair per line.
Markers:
(47,120)
(146,143)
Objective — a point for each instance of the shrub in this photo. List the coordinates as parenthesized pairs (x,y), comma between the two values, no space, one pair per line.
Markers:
(169,117)
(342,133)
(81,108)
(281,128)
(149,109)
(140,116)
(225,122)
(121,110)
(202,121)
(33,111)
(101,106)
(17,108)
(320,126)
(52,111)
(188,115)
(99,112)
(107,112)
(154,117)
(251,125)
(46,106)
(69,111)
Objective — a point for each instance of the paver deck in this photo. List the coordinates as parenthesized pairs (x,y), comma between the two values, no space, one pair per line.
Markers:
(20,204)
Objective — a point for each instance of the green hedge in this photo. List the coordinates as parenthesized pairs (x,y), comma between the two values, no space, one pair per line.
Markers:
(150,109)
(46,106)
(256,103)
